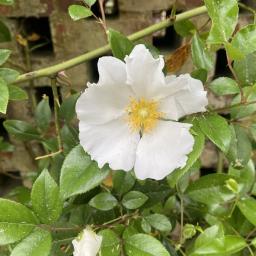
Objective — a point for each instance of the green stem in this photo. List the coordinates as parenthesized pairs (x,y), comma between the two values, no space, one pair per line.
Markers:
(64,240)
(233,106)
(180,195)
(181,251)
(56,110)
(248,8)
(102,50)
(229,61)
(31,82)
(233,207)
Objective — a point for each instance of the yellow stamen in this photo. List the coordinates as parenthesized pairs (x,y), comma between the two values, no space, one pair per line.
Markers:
(143,114)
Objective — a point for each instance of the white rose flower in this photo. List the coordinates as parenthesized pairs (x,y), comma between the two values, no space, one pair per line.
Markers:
(87,244)
(129,119)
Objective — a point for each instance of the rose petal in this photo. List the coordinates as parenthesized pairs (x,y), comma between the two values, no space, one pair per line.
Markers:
(113,143)
(89,244)
(144,73)
(163,150)
(100,104)
(191,98)
(112,71)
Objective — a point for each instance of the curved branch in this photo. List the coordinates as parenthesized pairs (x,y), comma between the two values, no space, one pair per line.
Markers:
(102,50)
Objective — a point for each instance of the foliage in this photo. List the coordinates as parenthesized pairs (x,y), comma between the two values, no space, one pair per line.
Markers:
(190,212)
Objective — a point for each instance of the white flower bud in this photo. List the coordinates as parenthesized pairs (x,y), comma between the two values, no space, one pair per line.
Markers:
(87,244)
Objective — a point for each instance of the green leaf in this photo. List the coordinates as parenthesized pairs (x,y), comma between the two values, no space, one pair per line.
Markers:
(120,44)
(144,245)
(155,191)
(232,52)
(16,221)
(198,147)
(212,242)
(46,200)
(4,55)
(224,16)
(252,131)
(81,172)
(20,194)
(153,50)
(224,86)
(130,231)
(189,231)
(245,176)
(246,110)
(160,222)
(134,199)
(246,69)
(78,12)
(110,243)
(9,75)
(253,242)
(202,58)
(239,222)
(123,181)
(103,201)
(43,114)
(21,130)
(5,146)
(209,235)
(69,137)
(240,147)
(184,28)
(210,189)
(5,35)
(248,208)
(7,2)
(16,93)
(67,108)
(216,129)
(200,74)
(38,243)
(145,226)
(4,96)
(90,2)
(245,39)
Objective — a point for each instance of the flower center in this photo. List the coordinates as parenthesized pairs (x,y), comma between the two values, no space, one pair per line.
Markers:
(143,114)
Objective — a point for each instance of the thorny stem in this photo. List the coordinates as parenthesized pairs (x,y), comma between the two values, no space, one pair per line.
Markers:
(248,8)
(102,22)
(181,213)
(56,110)
(106,224)
(181,251)
(101,3)
(251,233)
(102,50)
(250,250)
(49,155)
(233,106)
(236,78)
(181,218)
(238,234)
(56,119)
(120,218)
(234,206)
(64,240)
(31,82)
